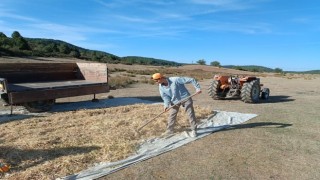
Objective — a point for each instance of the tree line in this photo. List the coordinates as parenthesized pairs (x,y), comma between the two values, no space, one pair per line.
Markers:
(251,68)
(18,46)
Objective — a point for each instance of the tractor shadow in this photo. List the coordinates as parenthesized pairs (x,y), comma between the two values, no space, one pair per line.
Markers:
(277,99)
(271,99)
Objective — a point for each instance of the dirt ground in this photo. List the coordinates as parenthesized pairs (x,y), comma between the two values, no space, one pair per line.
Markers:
(282,142)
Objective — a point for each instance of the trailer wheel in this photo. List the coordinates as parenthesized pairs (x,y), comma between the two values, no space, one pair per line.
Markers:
(265,93)
(250,92)
(214,90)
(39,106)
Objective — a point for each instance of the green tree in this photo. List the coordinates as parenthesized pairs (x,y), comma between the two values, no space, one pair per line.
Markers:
(201,62)
(255,70)
(4,41)
(15,35)
(215,63)
(75,53)
(2,35)
(48,48)
(19,42)
(63,48)
(278,70)
(239,68)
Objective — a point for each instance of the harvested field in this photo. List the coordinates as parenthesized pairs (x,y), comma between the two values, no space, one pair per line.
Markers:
(68,142)
(281,143)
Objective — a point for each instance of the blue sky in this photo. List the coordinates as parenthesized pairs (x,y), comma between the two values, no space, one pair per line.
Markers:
(273,33)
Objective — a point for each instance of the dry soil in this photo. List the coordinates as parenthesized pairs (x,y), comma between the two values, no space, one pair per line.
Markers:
(282,142)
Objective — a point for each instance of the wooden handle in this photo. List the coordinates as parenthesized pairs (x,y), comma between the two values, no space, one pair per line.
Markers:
(181,101)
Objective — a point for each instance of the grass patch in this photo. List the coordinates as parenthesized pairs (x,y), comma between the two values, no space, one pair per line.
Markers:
(120,81)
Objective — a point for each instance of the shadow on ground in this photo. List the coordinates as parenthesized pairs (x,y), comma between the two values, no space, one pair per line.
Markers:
(102,103)
(257,125)
(20,113)
(271,99)
(277,99)
(150,98)
(4,118)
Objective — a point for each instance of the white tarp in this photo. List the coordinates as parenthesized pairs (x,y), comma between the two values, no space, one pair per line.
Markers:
(153,147)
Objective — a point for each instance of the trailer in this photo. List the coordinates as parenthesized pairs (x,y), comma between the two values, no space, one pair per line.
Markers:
(36,86)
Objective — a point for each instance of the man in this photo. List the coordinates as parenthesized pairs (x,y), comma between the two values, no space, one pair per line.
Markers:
(173,90)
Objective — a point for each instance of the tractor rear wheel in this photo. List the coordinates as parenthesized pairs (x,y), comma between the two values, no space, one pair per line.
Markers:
(214,90)
(39,106)
(250,92)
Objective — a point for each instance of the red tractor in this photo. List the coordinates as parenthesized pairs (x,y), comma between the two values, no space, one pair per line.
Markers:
(248,88)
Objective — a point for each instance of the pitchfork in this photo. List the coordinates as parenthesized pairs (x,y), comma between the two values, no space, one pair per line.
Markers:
(178,103)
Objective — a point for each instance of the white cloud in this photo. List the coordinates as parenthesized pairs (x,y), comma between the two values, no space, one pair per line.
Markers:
(133,19)
(222,4)
(215,2)
(229,5)
(302,20)
(121,3)
(6,12)
(54,31)
(256,28)
(109,5)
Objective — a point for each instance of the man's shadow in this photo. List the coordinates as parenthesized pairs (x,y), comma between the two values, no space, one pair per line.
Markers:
(257,125)
(245,126)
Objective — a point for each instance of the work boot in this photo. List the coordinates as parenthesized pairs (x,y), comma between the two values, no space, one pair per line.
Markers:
(190,134)
(193,133)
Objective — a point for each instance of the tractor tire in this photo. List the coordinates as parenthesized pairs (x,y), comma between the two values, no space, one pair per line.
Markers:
(39,106)
(265,93)
(214,90)
(250,92)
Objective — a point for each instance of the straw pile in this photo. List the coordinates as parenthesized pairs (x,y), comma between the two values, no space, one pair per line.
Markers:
(66,143)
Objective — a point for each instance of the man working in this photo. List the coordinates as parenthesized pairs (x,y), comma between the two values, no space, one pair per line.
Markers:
(173,90)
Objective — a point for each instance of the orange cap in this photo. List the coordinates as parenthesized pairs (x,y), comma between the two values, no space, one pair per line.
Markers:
(4,168)
(157,76)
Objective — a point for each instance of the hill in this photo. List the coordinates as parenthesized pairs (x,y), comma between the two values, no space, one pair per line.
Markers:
(305,72)
(252,68)
(18,46)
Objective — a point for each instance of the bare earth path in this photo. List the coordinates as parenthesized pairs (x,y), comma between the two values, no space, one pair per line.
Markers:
(283,142)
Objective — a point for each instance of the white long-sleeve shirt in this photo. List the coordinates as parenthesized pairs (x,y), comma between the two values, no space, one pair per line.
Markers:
(175,91)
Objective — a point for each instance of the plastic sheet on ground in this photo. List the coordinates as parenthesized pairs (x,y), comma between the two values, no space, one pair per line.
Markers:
(153,147)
